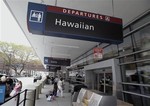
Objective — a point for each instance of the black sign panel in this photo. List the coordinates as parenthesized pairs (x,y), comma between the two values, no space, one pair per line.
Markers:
(57,61)
(53,68)
(74,24)
(82,28)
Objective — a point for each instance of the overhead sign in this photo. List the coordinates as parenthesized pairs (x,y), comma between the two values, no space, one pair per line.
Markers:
(36,16)
(74,24)
(2,93)
(53,68)
(98,53)
(57,61)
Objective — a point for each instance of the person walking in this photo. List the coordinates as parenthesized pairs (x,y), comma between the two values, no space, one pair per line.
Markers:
(55,89)
(60,87)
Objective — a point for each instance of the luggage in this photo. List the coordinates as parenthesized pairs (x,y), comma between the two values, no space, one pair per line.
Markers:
(50,96)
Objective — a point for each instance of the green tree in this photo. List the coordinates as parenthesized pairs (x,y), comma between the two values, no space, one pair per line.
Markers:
(5,54)
(15,56)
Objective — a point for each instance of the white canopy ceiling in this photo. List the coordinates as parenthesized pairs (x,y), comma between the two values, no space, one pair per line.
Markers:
(70,48)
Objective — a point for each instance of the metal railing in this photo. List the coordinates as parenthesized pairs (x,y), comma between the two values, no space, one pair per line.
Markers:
(18,102)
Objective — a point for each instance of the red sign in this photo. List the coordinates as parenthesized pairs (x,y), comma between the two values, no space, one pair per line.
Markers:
(84,14)
(98,53)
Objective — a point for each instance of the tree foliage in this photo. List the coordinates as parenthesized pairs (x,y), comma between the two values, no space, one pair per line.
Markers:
(16,57)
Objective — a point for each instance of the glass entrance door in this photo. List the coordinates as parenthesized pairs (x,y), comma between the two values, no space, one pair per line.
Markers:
(104,81)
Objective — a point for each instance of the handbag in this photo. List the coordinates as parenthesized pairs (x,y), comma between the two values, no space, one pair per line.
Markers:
(13,93)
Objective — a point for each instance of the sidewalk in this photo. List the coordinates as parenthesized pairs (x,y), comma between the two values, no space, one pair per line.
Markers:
(66,101)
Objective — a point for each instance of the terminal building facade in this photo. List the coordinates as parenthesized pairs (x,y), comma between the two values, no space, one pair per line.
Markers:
(123,69)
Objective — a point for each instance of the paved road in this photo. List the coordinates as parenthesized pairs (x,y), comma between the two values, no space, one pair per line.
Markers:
(25,81)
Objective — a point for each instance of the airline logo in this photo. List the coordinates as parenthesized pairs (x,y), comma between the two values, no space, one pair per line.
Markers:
(36,16)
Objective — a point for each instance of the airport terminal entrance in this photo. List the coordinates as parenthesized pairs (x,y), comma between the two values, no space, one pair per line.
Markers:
(103,76)
(103,80)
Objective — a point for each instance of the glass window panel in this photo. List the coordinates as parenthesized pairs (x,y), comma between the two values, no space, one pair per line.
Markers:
(133,99)
(129,58)
(144,73)
(127,30)
(126,46)
(142,39)
(132,88)
(123,72)
(129,73)
(146,101)
(146,91)
(108,84)
(143,55)
(101,82)
(141,22)
(110,51)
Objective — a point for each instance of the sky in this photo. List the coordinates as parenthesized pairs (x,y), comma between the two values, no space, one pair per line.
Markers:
(9,29)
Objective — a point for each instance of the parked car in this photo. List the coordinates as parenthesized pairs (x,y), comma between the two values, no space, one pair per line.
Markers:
(37,77)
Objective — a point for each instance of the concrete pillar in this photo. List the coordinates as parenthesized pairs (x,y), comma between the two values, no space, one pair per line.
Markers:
(42,81)
(40,86)
(37,89)
(30,96)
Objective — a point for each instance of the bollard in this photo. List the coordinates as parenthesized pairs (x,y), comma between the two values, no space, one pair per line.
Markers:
(44,80)
(30,96)
(37,89)
(40,86)
(42,83)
